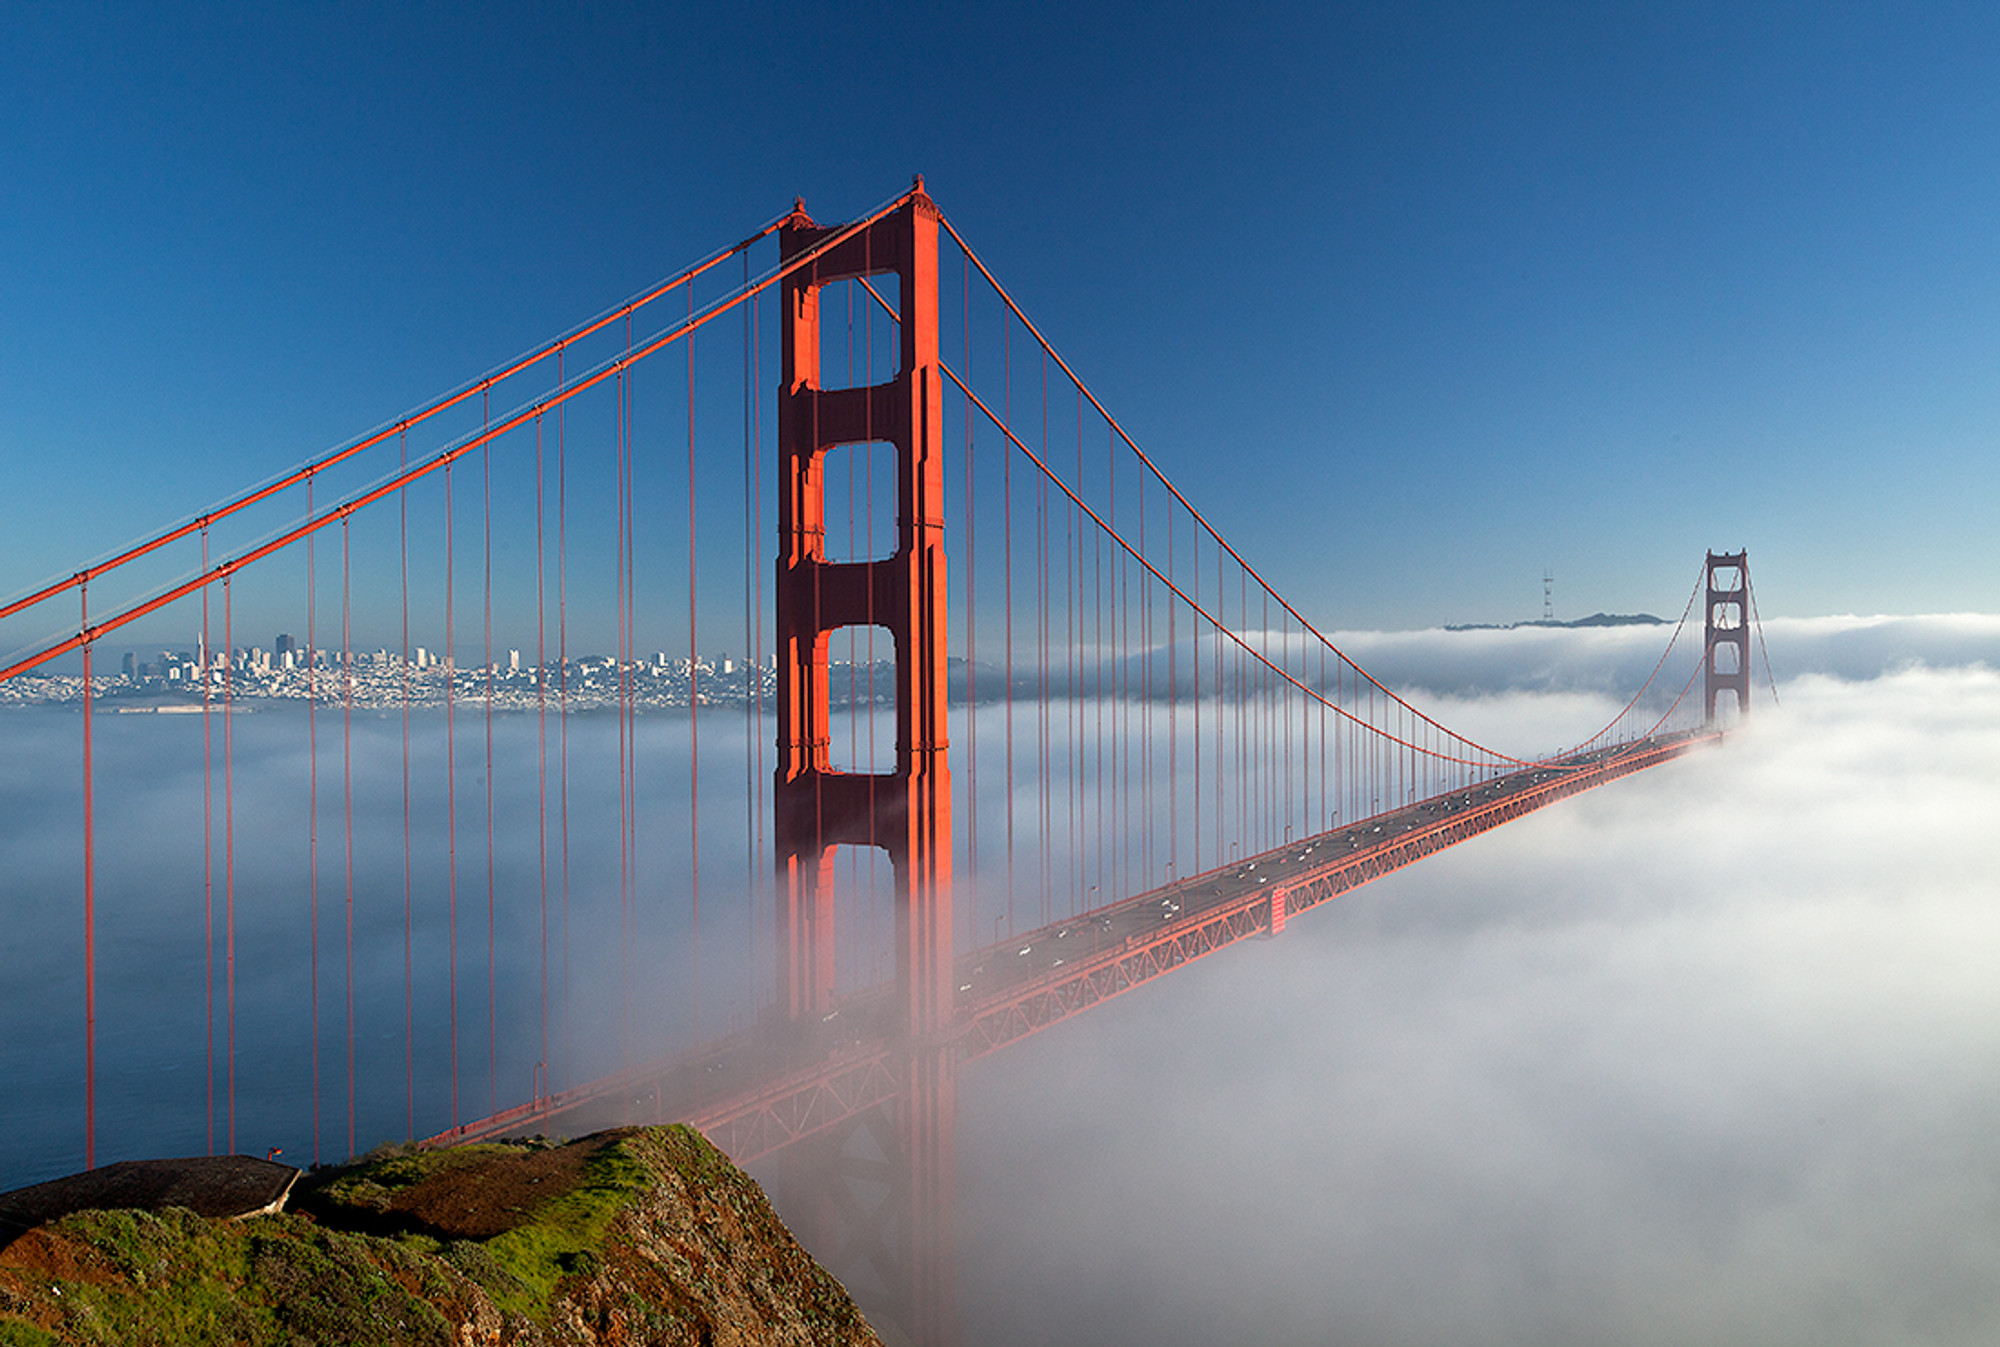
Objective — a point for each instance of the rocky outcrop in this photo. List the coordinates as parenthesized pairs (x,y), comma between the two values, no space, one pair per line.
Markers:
(635,1236)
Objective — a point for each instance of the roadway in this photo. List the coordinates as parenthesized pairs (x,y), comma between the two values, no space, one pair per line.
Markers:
(763,1088)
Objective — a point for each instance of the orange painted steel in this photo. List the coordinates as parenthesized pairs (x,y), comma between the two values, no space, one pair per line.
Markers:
(530,413)
(1728,627)
(1186,504)
(905,812)
(755,1097)
(89,902)
(1493,755)
(399,427)
(1005,1015)
(1646,686)
(892,1051)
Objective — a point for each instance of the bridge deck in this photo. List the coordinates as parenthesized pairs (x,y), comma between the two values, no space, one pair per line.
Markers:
(759,1090)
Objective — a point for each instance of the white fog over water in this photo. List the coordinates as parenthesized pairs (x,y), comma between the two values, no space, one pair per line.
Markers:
(1710,1054)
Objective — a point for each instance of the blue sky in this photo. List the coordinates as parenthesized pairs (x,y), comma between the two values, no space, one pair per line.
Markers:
(1486,288)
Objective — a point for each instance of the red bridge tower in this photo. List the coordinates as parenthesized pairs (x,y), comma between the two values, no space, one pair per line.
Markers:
(906,812)
(1727,653)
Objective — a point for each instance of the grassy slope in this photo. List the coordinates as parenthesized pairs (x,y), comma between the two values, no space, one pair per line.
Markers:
(655,1231)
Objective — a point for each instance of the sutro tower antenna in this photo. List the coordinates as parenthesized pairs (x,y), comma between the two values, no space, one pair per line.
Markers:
(1548,595)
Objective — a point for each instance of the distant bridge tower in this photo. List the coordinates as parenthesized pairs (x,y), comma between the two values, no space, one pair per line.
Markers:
(1727,661)
(906,812)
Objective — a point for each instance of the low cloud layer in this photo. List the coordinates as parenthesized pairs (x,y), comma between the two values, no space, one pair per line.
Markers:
(1709,1055)
(1615,660)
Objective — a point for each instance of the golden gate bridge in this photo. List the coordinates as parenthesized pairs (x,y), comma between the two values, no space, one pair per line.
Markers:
(496,832)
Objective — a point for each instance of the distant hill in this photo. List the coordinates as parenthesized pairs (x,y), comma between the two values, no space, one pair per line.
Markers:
(1594,620)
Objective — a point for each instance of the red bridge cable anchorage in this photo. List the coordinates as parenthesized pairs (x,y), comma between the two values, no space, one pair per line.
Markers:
(203,521)
(403,479)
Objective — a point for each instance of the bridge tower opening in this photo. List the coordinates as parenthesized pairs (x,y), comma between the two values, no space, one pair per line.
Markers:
(905,812)
(1726,658)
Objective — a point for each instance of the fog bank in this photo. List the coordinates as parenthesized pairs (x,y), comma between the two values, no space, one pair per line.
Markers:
(1709,1055)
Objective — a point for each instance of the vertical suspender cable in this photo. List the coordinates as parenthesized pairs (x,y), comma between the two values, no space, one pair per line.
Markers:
(694,700)
(89,895)
(752,833)
(1194,655)
(1119,824)
(1285,723)
(624,649)
(1145,694)
(868,549)
(542,757)
(628,674)
(229,840)
(492,940)
(409,882)
(1218,687)
(971,598)
(1173,712)
(347,792)
(562,691)
(1047,586)
(1245,711)
(1072,582)
(1110,801)
(758,930)
(208,846)
(1007,597)
(312,802)
(451,776)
